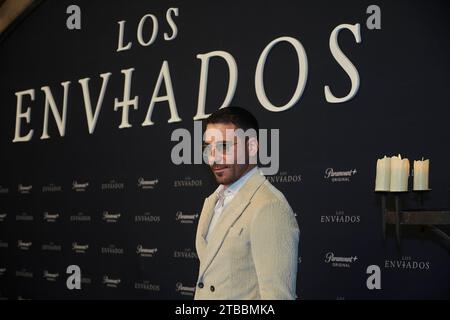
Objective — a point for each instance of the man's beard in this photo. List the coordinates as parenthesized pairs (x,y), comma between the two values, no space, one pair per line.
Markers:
(222,173)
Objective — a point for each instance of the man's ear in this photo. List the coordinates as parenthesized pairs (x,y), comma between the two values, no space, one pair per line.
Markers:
(253,147)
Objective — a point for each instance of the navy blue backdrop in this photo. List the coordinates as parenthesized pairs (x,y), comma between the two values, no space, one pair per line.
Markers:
(113,203)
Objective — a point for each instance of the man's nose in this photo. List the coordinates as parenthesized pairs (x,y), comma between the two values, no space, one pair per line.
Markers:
(215,157)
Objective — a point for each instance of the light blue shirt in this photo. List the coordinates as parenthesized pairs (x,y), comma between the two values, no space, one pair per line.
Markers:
(229,194)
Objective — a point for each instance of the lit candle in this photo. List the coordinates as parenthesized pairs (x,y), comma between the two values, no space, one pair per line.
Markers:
(399,174)
(383,178)
(421,170)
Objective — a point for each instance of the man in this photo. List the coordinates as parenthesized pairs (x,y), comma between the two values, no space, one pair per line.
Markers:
(247,236)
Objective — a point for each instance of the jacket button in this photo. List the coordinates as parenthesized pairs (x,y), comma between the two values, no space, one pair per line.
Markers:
(212,288)
(200,285)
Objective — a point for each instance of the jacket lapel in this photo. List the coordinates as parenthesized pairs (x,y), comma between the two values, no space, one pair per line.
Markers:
(203,223)
(230,214)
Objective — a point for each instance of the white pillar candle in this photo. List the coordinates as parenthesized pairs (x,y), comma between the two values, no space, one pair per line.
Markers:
(399,174)
(421,170)
(383,177)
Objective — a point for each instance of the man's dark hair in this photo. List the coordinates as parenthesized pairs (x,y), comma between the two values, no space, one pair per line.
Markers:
(238,116)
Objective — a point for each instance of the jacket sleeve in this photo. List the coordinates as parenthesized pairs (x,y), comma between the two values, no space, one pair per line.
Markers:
(274,246)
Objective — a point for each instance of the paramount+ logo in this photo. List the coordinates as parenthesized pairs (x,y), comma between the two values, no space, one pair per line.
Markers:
(111,217)
(146,252)
(339,176)
(186,218)
(147,184)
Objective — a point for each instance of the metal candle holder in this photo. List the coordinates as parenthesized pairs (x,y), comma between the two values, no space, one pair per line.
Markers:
(427,218)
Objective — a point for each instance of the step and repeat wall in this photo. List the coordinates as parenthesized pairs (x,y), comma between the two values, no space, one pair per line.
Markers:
(92,91)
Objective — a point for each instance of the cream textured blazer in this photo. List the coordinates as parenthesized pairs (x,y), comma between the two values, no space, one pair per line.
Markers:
(253,250)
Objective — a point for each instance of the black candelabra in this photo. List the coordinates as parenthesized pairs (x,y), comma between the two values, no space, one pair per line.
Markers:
(430,219)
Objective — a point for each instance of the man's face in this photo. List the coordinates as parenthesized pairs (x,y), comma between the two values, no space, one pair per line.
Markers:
(224,149)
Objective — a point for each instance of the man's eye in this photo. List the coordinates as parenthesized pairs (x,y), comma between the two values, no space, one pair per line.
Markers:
(222,146)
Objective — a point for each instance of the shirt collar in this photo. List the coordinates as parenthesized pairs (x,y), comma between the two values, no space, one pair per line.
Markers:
(235,186)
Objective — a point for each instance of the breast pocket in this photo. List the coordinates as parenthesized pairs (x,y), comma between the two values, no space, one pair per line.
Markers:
(235,231)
